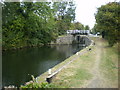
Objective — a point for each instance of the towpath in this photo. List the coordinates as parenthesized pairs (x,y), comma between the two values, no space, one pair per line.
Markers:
(98,80)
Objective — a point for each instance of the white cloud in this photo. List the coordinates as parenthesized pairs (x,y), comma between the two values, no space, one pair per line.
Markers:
(85,10)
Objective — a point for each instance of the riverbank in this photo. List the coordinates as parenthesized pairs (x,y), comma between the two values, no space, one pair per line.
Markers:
(63,39)
(65,63)
(93,67)
(98,68)
(21,47)
(60,40)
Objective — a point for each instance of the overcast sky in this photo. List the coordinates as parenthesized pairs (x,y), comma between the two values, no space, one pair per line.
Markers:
(85,10)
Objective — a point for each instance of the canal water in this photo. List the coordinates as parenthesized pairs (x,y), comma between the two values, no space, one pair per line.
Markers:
(18,65)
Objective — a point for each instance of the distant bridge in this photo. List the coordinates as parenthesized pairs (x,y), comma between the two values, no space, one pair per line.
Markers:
(80,32)
(79,35)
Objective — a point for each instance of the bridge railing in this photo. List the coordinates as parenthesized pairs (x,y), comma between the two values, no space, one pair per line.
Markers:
(78,31)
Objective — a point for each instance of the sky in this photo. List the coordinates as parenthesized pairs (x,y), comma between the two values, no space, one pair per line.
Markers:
(85,10)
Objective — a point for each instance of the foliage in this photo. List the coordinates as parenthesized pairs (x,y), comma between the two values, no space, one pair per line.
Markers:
(31,24)
(76,25)
(79,26)
(87,27)
(95,29)
(107,20)
(64,15)
(36,85)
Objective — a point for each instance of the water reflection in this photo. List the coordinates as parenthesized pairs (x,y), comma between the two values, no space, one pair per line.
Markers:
(19,63)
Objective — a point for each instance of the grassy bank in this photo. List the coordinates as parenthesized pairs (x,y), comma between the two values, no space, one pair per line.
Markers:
(109,64)
(77,73)
(96,68)
(42,78)
(83,70)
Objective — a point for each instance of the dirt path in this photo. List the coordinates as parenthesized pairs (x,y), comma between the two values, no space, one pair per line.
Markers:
(90,70)
(97,81)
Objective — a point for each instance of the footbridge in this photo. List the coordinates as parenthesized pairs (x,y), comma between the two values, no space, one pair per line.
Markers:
(73,37)
(80,32)
(79,35)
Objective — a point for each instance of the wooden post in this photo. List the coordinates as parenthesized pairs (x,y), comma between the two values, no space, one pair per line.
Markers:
(49,79)
(49,72)
(77,53)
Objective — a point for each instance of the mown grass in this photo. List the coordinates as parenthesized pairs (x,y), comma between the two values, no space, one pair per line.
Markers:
(77,73)
(109,64)
(42,77)
(72,80)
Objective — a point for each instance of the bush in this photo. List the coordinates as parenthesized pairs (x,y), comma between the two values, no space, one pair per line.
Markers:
(34,84)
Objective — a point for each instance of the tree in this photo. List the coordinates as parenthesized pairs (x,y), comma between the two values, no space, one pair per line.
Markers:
(107,20)
(96,29)
(27,24)
(79,26)
(32,24)
(86,27)
(64,14)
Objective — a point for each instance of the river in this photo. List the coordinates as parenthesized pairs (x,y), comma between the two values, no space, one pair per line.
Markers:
(18,65)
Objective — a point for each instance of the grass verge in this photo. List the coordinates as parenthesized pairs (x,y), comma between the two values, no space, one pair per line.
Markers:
(109,64)
(79,73)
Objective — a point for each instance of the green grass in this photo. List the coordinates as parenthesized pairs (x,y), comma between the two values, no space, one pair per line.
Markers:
(109,64)
(74,80)
(79,77)
(78,73)
(0,41)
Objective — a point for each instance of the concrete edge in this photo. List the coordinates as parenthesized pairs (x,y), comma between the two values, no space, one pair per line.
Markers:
(56,69)
(46,77)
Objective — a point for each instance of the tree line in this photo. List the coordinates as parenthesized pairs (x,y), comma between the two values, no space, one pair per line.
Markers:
(79,26)
(108,22)
(34,23)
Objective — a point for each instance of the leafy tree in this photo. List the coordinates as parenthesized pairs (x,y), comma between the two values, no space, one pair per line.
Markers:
(95,29)
(86,27)
(107,19)
(76,25)
(13,24)
(79,26)
(64,14)
(31,24)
